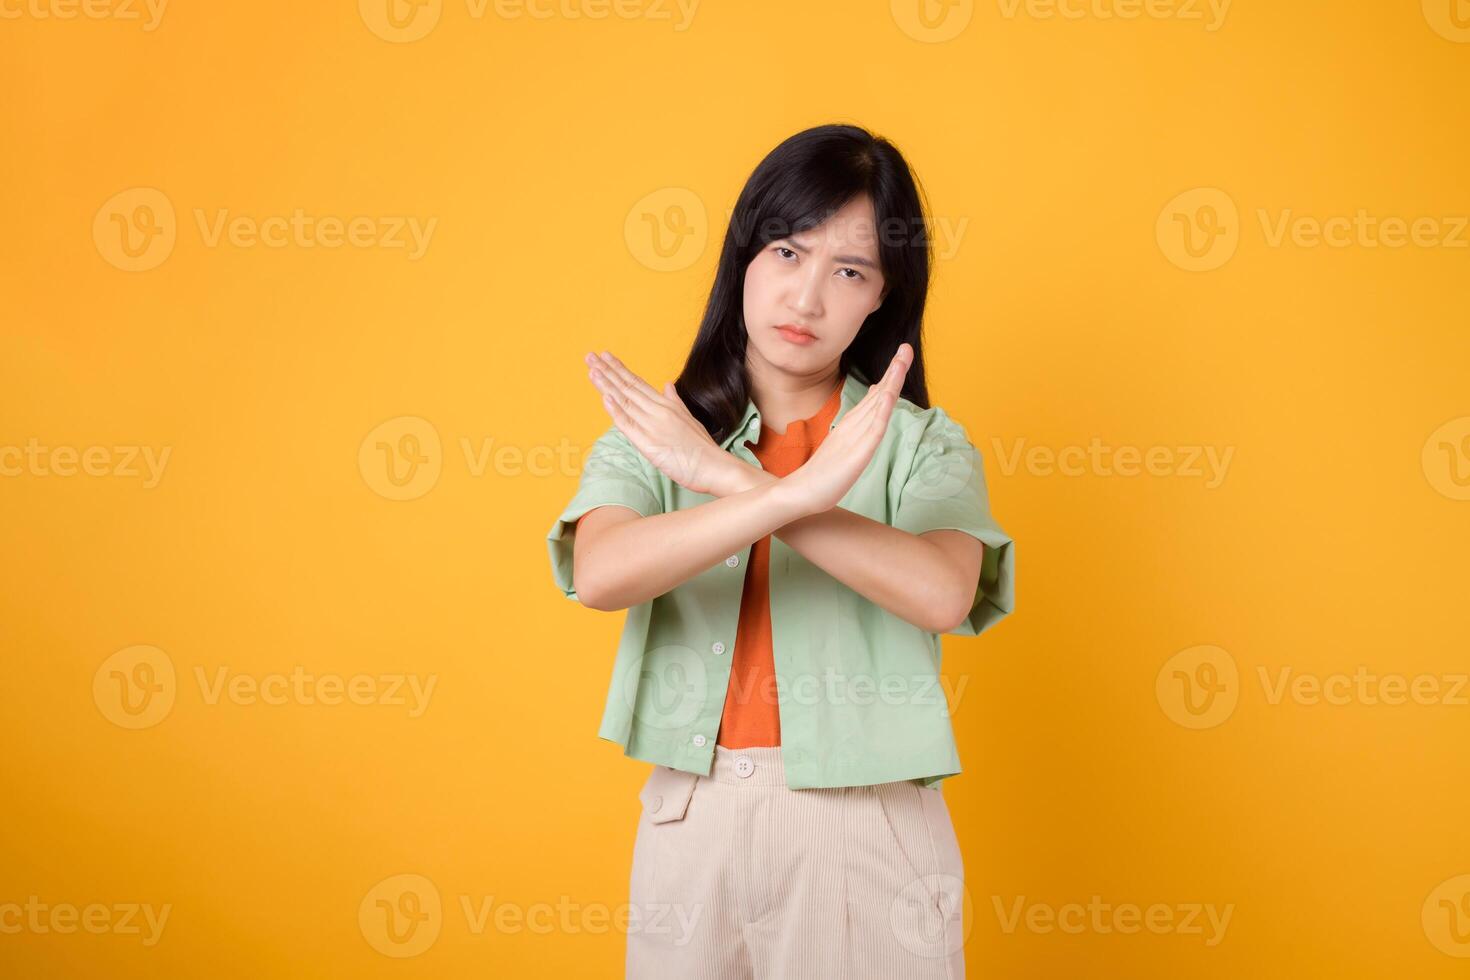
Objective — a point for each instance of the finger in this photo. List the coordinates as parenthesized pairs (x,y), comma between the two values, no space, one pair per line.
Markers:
(898,368)
(892,378)
(613,387)
(625,422)
(633,385)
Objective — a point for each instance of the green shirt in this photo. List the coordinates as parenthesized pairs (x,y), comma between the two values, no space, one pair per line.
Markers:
(858,688)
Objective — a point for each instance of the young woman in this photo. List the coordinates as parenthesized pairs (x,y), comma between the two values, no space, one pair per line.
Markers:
(791,527)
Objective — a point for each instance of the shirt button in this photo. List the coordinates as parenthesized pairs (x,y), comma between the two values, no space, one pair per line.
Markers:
(699,740)
(939,451)
(743,766)
(658,801)
(733,560)
(718,648)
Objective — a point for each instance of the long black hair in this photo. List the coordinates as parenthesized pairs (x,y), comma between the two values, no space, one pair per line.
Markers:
(798,186)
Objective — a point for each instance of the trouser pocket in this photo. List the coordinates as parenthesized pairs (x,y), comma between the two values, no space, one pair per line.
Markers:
(666,793)
(665,800)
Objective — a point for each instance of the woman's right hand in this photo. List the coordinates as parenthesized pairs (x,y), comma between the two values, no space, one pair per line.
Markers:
(845,452)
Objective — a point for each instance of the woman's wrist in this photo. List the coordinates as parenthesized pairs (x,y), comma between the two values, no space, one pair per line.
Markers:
(739,476)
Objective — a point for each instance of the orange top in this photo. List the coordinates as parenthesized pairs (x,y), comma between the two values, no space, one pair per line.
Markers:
(751,716)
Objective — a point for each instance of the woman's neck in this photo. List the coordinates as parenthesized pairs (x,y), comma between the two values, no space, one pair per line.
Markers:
(783,397)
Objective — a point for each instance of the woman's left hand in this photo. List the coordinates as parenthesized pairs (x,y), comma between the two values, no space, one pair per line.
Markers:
(661,427)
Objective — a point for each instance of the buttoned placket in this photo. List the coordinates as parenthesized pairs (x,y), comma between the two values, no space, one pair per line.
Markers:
(750,430)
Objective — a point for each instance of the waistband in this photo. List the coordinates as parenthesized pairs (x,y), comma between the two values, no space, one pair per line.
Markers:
(755,766)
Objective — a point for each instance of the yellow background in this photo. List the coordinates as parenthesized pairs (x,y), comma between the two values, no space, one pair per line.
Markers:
(1336,540)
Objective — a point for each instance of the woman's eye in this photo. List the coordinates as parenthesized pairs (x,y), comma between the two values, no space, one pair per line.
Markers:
(783,248)
(855,274)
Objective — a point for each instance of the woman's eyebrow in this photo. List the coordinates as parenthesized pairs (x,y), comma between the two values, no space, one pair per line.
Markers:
(850,259)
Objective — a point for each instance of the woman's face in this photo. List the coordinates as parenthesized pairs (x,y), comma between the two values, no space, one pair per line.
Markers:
(823,282)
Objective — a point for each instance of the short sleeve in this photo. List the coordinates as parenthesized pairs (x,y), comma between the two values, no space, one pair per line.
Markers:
(613,472)
(945,488)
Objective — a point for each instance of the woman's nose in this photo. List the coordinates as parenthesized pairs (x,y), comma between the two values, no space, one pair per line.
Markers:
(808,299)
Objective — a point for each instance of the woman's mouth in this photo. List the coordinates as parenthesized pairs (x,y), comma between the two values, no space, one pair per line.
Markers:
(795,334)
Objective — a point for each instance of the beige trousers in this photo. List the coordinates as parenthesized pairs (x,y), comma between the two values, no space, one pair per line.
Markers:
(737,877)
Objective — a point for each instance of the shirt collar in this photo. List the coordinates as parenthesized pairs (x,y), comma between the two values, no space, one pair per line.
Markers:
(853,390)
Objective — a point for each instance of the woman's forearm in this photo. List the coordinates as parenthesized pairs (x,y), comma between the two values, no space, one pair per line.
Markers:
(633,561)
(913,579)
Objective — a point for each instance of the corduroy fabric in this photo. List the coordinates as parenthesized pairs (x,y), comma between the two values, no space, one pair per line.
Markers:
(736,876)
